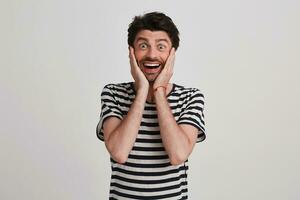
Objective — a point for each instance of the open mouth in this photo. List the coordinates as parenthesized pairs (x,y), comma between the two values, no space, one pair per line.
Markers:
(151,65)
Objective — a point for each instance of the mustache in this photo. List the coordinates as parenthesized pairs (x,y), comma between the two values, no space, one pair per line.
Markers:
(151,60)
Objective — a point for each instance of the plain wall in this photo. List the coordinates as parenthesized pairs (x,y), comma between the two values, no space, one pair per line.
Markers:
(57,55)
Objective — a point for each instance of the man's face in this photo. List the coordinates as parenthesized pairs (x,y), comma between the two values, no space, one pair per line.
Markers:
(152,49)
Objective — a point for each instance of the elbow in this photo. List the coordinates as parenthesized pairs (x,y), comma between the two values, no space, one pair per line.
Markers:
(177,159)
(121,159)
(175,162)
(117,154)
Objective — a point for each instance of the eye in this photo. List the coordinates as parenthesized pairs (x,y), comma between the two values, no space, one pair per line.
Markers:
(143,46)
(161,47)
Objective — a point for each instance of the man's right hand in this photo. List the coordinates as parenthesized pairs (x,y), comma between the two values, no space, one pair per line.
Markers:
(142,84)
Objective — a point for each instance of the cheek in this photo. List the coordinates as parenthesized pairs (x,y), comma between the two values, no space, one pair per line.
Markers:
(165,57)
(139,55)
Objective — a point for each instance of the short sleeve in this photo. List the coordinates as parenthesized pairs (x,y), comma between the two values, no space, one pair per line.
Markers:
(109,108)
(193,114)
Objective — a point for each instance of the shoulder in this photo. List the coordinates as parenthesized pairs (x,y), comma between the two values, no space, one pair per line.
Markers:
(184,91)
(118,87)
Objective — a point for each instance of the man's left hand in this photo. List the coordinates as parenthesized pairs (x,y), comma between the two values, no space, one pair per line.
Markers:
(167,72)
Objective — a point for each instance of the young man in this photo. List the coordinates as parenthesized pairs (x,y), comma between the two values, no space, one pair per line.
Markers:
(150,126)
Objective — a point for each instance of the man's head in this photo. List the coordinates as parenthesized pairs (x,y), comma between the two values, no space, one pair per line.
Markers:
(152,36)
(154,21)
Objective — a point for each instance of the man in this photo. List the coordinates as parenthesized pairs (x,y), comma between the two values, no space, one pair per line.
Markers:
(150,126)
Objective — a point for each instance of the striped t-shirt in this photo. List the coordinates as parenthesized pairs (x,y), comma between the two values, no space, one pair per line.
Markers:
(148,174)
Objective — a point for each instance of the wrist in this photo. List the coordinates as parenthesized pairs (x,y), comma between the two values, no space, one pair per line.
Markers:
(160,91)
(141,88)
(161,88)
(142,93)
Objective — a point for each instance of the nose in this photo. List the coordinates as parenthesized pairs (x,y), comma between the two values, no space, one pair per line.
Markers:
(152,53)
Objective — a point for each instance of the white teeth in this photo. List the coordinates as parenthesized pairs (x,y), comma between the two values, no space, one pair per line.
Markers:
(151,65)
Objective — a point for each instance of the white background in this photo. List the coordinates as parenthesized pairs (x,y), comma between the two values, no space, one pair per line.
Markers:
(57,55)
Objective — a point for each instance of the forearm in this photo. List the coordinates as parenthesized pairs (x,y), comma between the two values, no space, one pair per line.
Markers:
(177,144)
(121,140)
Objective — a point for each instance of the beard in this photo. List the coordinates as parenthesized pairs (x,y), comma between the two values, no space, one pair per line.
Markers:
(151,68)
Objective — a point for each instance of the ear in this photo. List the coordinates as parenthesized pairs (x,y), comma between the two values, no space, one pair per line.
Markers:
(130,46)
(172,49)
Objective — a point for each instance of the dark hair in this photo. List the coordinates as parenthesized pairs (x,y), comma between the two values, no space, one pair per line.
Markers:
(154,21)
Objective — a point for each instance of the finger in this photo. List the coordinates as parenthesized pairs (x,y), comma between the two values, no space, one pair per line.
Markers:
(173,58)
(170,61)
(132,64)
(132,57)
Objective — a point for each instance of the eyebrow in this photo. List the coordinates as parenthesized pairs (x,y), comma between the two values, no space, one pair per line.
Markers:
(157,40)
(164,40)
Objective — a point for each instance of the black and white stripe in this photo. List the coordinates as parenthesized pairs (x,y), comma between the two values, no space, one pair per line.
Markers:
(148,174)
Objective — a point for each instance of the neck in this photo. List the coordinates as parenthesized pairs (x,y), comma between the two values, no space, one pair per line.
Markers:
(150,97)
